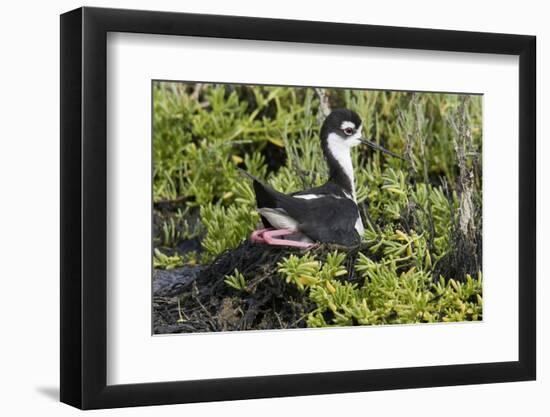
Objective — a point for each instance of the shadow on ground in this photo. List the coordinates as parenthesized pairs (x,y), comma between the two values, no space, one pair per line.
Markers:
(50,392)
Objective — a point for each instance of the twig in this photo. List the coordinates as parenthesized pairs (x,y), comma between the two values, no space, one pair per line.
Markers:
(178,199)
(462,143)
(194,294)
(196,92)
(324,104)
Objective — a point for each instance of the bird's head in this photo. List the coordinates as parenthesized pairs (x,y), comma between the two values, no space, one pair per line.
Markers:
(343,129)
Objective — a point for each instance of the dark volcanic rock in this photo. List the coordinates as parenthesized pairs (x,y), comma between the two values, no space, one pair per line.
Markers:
(169,283)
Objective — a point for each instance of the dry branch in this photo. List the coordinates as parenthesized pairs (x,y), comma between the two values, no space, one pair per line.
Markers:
(324,104)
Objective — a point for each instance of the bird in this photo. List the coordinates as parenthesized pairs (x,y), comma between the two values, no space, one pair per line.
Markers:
(325,214)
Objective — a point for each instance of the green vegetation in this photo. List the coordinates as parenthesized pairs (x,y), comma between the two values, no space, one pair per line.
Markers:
(163,261)
(420,260)
(236,280)
(386,296)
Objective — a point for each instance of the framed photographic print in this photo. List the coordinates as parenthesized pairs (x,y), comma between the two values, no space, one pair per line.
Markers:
(256,208)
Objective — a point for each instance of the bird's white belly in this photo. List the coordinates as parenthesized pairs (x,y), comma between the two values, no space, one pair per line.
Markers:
(279,219)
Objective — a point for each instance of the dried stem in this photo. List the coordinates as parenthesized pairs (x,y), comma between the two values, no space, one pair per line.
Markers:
(463,145)
(465,257)
(324,105)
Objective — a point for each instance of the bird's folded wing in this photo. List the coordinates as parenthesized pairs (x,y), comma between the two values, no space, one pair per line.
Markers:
(324,218)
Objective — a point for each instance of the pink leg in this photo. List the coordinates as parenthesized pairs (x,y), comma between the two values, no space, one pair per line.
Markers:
(257,235)
(269,236)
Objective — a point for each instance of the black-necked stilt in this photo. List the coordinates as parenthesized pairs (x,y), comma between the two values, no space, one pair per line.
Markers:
(325,214)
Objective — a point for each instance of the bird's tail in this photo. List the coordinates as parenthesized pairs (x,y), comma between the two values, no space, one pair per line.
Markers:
(265,195)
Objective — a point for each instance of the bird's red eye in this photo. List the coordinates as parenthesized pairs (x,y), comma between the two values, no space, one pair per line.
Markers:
(348,131)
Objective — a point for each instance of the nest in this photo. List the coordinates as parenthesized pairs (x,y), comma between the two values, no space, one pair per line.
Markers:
(205,303)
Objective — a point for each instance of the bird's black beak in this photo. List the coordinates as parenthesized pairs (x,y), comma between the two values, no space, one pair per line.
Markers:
(377,147)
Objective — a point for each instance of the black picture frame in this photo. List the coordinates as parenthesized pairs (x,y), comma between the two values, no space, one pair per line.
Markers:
(84,207)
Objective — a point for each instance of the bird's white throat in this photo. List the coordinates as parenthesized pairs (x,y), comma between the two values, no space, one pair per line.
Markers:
(341,152)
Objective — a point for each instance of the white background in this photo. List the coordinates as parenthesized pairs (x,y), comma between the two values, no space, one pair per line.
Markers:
(133,60)
(29,176)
